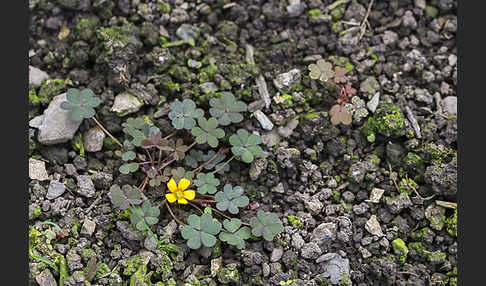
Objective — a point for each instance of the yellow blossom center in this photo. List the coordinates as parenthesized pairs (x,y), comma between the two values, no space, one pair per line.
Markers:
(179,194)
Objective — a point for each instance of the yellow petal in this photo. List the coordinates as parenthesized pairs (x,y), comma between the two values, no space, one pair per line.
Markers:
(172,185)
(170,197)
(183,184)
(189,194)
(182,201)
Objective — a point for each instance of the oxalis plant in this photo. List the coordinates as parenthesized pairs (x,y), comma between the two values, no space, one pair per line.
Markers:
(343,112)
(188,173)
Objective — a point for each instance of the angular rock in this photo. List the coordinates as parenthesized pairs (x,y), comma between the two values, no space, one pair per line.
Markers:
(57,127)
(297,241)
(256,168)
(93,139)
(125,103)
(36,76)
(373,226)
(376,195)
(37,121)
(55,190)
(279,189)
(335,267)
(324,231)
(263,120)
(86,187)
(449,105)
(311,250)
(277,253)
(286,81)
(396,204)
(128,232)
(442,178)
(373,103)
(88,227)
(37,170)
(45,278)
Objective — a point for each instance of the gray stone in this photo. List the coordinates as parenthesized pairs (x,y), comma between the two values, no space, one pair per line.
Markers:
(187,32)
(449,105)
(93,139)
(314,205)
(263,120)
(73,260)
(390,38)
(256,168)
(286,81)
(373,226)
(376,195)
(86,187)
(256,105)
(295,10)
(335,267)
(128,232)
(452,59)
(277,253)
(150,243)
(369,86)
(420,4)
(360,209)
(423,95)
(279,189)
(36,76)
(442,178)
(263,90)
(287,130)
(125,103)
(311,250)
(37,170)
(373,103)
(70,169)
(57,127)
(297,241)
(37,121)
(55,190)
(102,180)
(45,278)
(397,204)
(434,215)
(89,227)
(271,138)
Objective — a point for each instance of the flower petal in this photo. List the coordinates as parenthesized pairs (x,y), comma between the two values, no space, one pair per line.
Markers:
(172,185)
(182,201)
(189,194)
(171,197)
(183,184)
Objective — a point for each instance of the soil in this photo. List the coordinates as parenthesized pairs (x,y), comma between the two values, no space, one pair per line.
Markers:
(370,203)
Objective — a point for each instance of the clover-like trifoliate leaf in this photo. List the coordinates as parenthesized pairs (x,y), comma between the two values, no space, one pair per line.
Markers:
(183,113)
(156,179)
(81,103)
(138,129)
(128,168)
(207,132)
(193,158)
(226,108)
(201,230)
(245,145)
(177,148)
(339,114)
(236,235)
(155,140)
(129,155)
(179,173)
(206,183)
(357,108)
(231,199)
(321,70)
(216,162)
(124,196)
(146,214)
(266,225)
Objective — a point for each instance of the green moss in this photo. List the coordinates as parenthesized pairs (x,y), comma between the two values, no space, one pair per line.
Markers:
(228,274)
(181,73)
(400,249)
(102,270)
(110,144)
(116,37)
(342,62)
(50,88)
(60,260)
(86,28)
(452,224)
(336,196)
(421,234)
(295,221)
(345,281)
(206,74)
(33,98)
(77,144)
(387,121)
(140,277)
(436,257)
(132,265)
(36,213)
(336,14)
(314,14)
(87,253)
(437,154)
(32,146)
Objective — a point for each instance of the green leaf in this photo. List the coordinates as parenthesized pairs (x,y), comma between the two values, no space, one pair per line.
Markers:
(236,235)
(201,230)
(206,183)
(147,214)
(266,225)
(122,198)
(231,199)
(193,158)
(207,132)
(245,145)
(128,168)
(321,70)
(177,148)
(226,108)
(80,103)
(216,162)
(183,113)
(127,156)
(179,173)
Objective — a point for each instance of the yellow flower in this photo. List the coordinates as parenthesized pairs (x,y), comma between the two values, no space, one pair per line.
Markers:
(178,192)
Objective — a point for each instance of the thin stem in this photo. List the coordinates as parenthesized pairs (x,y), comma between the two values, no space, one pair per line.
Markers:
(208,196)
(172,214)
(144,183)
(167,163)
(222,166)
(150,157)
(203,201)
(190,146)
(199,209)
(226,216)
(160,157)
(107,133)
(198,169)
(170,135)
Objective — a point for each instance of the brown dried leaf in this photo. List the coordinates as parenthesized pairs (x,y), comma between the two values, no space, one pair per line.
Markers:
(340,115)
(340,75)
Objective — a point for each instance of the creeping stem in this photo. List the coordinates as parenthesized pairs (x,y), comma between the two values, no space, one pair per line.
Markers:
(107,133)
